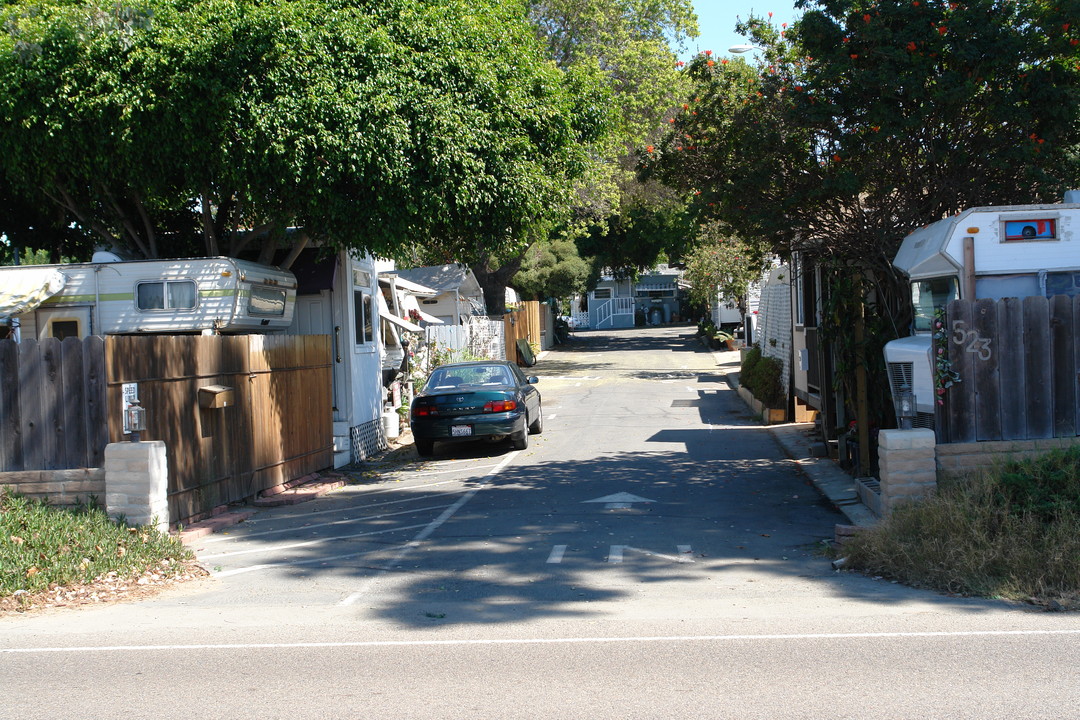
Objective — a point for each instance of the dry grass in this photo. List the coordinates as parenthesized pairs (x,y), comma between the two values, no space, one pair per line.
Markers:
(1012,533)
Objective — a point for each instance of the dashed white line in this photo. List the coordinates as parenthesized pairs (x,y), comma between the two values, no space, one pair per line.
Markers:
(556,555)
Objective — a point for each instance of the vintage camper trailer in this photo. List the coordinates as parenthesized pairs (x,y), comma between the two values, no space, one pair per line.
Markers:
(194,295)
(985,252)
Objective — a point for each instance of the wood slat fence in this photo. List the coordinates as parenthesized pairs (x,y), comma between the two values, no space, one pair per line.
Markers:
(1019,365)
(61,404)
(52,404)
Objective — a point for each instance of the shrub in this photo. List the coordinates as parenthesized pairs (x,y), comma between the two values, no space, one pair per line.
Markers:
(761,376)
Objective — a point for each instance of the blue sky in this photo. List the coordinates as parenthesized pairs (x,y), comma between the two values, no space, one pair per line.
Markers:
(717,18)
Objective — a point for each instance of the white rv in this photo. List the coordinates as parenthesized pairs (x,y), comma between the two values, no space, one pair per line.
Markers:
(985,252)
(195,295)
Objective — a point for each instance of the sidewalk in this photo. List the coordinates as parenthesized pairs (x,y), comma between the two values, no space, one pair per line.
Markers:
(797,439)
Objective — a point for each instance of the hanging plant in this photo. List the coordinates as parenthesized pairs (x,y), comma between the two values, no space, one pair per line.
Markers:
(944,375)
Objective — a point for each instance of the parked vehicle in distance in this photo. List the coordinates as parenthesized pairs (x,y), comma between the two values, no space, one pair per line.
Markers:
(486,399)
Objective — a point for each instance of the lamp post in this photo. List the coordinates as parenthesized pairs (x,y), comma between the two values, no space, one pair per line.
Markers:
(905,406)
(136,420)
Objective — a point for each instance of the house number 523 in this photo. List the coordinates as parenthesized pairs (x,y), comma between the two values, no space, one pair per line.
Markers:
(970,340)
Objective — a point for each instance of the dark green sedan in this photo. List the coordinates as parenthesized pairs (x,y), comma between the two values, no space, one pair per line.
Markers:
(487,400)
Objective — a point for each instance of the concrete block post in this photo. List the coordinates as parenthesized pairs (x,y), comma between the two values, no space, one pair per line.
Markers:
(907,464)
(137,483)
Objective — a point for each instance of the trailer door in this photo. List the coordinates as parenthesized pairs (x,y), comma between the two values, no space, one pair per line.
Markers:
(63,322)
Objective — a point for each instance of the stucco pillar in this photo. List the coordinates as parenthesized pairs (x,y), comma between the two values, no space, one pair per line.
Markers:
(137,483)
(907,466)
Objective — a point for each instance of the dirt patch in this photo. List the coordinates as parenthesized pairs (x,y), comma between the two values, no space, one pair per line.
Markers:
(105,590)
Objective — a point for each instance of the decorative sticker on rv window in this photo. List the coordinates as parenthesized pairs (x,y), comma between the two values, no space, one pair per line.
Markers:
(166,295)
(1031,229)
(266,301)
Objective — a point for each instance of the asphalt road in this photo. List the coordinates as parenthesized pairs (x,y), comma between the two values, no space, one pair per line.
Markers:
(652,554)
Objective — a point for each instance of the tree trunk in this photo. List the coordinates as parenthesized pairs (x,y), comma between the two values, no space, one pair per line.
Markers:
(493,283)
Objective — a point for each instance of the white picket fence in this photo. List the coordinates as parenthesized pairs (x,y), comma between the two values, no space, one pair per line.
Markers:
(479,336)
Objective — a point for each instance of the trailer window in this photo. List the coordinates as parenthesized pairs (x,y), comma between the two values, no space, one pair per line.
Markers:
(266,300)
(928,296)
(362,317)
(166,295)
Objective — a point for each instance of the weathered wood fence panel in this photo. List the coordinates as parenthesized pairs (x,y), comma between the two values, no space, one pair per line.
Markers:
(522,324)
(52,399)
(278,428)
(1018,361)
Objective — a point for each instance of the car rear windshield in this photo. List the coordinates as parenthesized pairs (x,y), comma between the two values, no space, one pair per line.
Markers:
(470,375)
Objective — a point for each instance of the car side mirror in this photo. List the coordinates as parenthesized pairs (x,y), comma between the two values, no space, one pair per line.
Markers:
(533,379)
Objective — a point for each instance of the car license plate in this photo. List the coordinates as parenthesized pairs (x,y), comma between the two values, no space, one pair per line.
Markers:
(460,430)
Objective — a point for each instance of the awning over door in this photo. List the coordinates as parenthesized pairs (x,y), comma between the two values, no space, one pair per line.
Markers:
(403,324)
(25,289)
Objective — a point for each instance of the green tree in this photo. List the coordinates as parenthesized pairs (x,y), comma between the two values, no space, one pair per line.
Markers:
(721,265)
(626,47)
(196,126)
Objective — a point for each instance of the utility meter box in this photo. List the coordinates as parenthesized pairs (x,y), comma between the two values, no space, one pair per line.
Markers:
(212,397)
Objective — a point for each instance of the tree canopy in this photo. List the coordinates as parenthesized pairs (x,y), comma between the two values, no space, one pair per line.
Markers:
(379,125)
(867,119)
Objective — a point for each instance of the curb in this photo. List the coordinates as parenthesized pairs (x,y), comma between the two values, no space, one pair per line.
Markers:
(293,492)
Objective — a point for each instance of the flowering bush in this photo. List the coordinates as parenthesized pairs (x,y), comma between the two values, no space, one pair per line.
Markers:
(944,375)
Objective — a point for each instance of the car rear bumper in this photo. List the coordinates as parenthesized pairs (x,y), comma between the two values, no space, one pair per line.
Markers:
(482,426)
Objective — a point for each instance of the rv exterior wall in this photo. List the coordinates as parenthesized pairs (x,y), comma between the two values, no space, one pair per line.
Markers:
(207,294)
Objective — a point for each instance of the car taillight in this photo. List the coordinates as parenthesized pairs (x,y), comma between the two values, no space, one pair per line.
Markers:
(499,405)
(423,410)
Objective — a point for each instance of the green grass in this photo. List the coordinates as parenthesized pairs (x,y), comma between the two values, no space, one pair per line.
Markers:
(44,547)
(1012,533)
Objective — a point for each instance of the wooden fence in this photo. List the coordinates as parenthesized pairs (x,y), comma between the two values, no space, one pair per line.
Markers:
(1019,367)
(52,404)
(61,404)
(279,428)
(522,324)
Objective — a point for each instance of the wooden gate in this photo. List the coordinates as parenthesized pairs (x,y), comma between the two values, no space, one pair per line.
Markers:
(1019,367)
(278,428)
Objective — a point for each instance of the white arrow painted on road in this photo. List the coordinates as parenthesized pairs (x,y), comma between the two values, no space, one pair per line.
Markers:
(615,554)
(619,501)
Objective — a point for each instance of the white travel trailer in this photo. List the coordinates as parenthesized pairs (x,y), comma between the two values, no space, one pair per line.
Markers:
(984,252)
(194,295)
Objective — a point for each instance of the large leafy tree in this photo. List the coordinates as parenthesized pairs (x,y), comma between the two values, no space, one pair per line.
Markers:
(383,126)
(626,47)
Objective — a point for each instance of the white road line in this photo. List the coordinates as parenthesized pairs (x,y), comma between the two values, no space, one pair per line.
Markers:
(551,416)
(318,541)
(344,521)
(312,561)
(423,534)
(615,553)
(546,641)
(556,554)
(687,551)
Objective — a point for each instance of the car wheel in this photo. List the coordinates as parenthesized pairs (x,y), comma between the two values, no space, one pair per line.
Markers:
(425,448)
(520,441)
(537,426)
